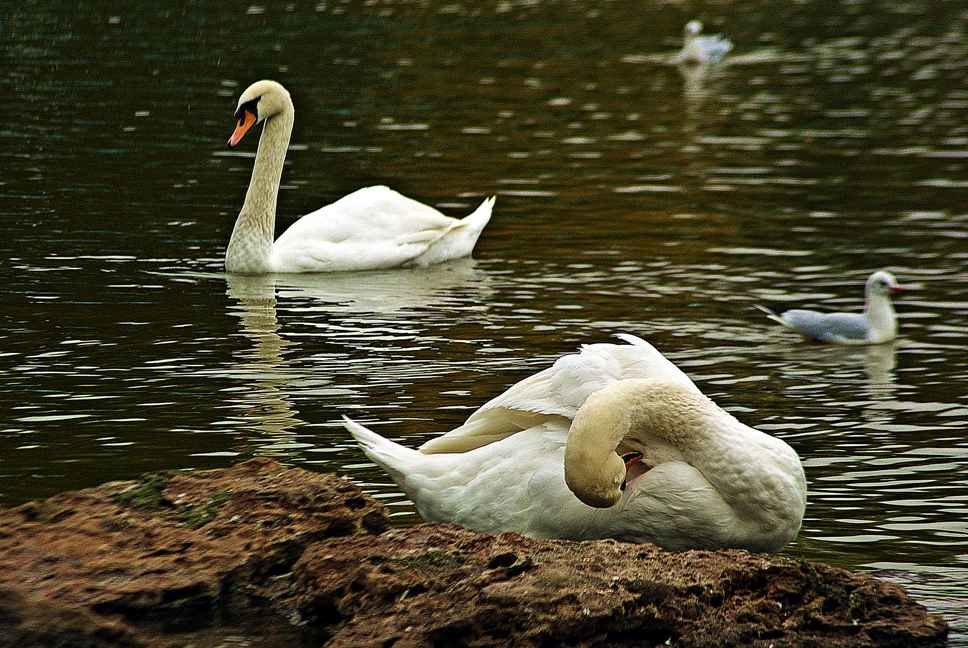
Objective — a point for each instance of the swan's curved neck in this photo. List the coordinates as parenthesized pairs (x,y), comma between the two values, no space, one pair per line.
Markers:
(667,422)
(752,472)
(660,418)
(250,247)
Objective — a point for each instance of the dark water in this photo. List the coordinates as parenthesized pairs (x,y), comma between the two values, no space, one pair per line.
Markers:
(631,197)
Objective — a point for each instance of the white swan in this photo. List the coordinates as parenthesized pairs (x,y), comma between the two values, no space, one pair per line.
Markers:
(698,49)
(371,228)
(614,441)
(876,325)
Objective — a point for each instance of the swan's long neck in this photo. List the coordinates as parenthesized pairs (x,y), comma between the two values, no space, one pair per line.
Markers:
(758,476)
(250,247)
(671,422)
(880,315)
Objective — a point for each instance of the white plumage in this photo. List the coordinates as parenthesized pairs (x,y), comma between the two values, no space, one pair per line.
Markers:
(375,228)
(372,228)
(704,479)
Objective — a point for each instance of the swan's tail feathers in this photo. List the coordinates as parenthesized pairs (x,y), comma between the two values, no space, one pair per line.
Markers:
(459,239)
(479,218)
(771,314)
(392,457)
(634,340)
(628,338)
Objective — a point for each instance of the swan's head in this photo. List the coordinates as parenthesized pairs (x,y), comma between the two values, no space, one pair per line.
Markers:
(883,282)
(260,101)
(595,475)
(692,29)
(614,416)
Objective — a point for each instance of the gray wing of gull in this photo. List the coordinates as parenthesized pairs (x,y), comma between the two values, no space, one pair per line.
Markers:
(827,327)
(716,47)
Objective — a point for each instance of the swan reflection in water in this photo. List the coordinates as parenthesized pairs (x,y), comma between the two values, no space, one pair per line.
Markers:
(264,406)
(454,283)
(274,373)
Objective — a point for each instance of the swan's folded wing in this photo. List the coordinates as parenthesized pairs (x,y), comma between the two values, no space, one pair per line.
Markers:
(373,227)
(344,256)
(557,392)
(382,209)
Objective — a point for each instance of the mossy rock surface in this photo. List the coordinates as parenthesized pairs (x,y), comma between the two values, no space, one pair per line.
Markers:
(284,557)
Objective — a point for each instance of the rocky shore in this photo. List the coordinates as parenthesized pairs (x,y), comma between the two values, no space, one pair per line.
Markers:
(267,556)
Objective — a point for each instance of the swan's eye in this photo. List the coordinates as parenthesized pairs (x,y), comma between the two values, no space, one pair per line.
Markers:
(247,107)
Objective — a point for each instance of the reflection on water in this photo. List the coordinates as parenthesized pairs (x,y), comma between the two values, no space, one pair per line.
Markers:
(879,363)
(267,403)
(269,371)
(634,196)
(698,81)
(380,292)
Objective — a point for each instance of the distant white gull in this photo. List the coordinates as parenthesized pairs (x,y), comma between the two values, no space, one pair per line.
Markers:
(698,49)
(877,324)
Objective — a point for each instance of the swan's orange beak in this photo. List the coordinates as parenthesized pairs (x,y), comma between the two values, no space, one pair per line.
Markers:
(247,121)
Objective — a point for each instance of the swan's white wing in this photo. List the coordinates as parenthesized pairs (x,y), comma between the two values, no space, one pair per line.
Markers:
(558,392)
(371,228)
(490,489)
(562,388)
(320,255)
(371,212)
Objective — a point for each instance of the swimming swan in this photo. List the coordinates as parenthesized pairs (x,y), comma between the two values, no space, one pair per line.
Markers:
(371,228)
(697,49)
(614,441)
(876,325)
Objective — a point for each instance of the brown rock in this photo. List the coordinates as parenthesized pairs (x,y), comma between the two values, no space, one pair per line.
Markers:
(172,553)
(441,585)
(275,556)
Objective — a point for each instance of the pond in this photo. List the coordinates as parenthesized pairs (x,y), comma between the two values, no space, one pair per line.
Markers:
(632,196)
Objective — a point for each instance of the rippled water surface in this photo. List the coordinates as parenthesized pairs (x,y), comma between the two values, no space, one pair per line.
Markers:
(632,196)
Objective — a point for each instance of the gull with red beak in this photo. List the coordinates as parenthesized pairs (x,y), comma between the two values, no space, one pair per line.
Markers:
(877,324)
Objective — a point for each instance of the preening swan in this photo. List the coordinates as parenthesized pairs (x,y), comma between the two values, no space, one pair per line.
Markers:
(698,49)
(877,324)
(371,228)
(614,441)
